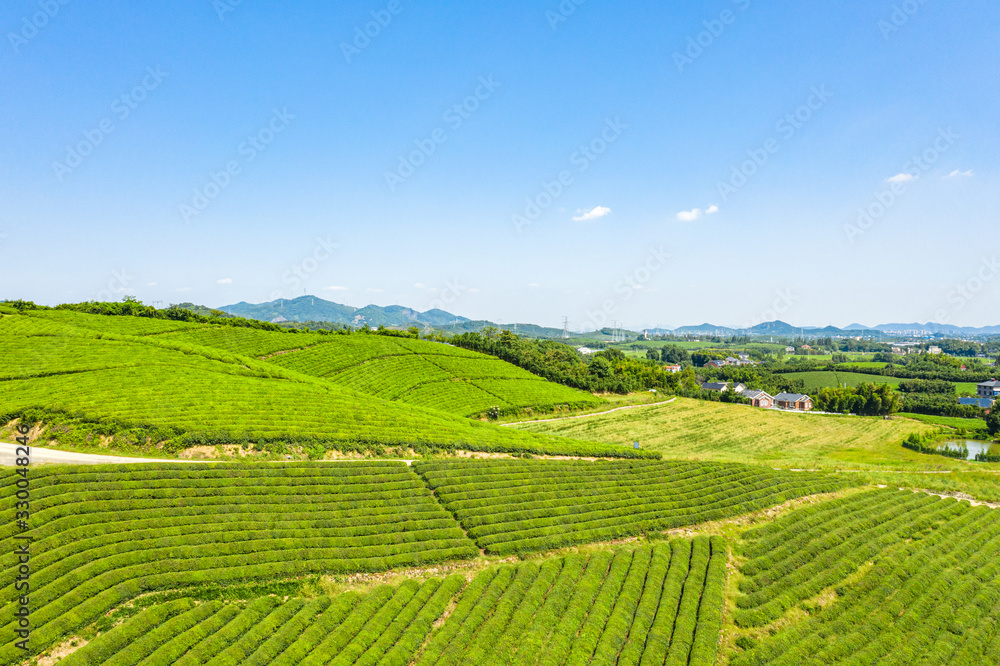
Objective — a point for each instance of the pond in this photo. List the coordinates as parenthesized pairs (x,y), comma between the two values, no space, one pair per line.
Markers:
(972,446)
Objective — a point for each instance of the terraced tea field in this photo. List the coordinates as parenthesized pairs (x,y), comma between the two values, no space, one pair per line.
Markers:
(650,605)
(888,577)
(429,374)
(558,504)
(57,362)
(103,535)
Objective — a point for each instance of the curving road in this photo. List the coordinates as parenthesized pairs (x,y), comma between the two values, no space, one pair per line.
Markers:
(51,456)
(43,456)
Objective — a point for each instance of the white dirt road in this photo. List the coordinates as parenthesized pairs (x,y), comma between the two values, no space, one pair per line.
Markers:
(39,455)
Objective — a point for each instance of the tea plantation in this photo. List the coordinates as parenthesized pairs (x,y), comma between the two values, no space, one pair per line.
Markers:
(497,560)
(650,605)
(558,504)
(147,378)
(103,535)
(915,580)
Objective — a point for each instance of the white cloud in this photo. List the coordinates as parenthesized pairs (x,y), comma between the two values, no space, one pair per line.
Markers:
(472,290)
(957,173)
(901,178)
(225,281)
(533,285)
(592,214)
(689,215)
(334,288)
(420,285)
(150,284)
(183,289)
(371,290)
(712,210)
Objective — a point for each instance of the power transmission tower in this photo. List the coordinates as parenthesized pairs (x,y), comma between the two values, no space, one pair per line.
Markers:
(565,328)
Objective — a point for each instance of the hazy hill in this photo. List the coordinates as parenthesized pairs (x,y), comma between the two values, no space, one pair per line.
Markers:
(313,308)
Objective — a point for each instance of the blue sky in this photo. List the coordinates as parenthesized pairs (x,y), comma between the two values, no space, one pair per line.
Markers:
(652,164)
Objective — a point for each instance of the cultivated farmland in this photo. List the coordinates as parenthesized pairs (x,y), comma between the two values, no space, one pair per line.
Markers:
(700,430)
(649,605)
(430,374)
(814,381)
(106,534)
(184,394)
(924,583)
(560,504)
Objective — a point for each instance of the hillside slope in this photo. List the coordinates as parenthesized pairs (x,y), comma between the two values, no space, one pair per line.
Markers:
(417,372)
(430,374)
(140,379)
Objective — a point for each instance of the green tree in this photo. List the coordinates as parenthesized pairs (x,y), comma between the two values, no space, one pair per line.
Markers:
(600,368)
(652,355)
(675,355)
(993,422)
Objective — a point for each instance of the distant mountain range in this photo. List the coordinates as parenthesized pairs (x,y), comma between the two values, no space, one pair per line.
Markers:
(313,308)
(780,328)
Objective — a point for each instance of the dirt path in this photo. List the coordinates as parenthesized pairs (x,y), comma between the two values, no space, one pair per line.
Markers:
(43,456)
(959,496)
(583,416)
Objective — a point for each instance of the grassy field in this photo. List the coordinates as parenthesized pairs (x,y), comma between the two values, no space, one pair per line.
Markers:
(815,381)
(948,421)
(699,430)
(855,357)
(876,365)
(966,388)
